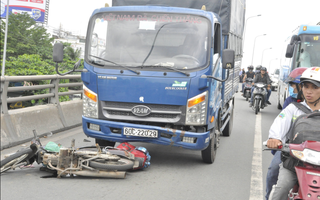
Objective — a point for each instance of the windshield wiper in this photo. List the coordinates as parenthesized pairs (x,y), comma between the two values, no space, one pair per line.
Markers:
(109,61)
(154,41)
(167,65)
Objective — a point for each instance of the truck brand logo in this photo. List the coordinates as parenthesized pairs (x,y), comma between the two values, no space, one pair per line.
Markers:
(141,110)
(178,84)
(141,99)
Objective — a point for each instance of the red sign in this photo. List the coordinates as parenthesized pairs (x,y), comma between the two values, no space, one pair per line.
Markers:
(36,1)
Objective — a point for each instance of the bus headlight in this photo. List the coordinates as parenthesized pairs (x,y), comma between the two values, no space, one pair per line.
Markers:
(90,103)
(197,109)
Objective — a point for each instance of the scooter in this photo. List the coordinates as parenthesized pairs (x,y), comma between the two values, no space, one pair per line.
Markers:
(259,95)
(247,88)
(308,171)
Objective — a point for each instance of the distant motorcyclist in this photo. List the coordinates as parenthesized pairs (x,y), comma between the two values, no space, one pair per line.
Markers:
(295,96)
(262,78)
(310,81)
(258,69)
(249,74)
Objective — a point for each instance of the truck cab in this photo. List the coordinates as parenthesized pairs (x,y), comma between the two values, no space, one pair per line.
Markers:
(161,75)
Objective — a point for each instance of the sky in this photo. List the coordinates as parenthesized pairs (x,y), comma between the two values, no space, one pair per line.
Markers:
(278,19)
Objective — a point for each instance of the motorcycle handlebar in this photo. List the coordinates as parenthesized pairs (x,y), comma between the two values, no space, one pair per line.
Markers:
(284,148)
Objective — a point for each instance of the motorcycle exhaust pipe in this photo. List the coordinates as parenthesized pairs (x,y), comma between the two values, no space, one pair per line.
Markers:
(104,174)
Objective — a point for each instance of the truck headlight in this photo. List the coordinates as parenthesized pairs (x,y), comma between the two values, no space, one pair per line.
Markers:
(90,103)
(307,155)
(197,109)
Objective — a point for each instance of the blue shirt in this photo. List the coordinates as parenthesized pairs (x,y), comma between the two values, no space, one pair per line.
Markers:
(288,101)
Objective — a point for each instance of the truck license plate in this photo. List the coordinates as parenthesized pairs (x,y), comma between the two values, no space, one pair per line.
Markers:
(140,132)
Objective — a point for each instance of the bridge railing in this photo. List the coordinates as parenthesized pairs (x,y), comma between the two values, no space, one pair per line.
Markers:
(53,86)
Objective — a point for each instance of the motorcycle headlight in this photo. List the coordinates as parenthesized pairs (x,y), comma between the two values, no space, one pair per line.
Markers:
(197,109)
(90,103)
(307,155)
(257,90)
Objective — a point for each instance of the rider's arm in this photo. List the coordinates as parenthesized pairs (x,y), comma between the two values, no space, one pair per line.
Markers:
(254,80)
(268,81)
(280,127)
(244,78)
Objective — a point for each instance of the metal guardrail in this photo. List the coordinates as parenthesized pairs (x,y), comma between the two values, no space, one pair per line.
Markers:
(53,95)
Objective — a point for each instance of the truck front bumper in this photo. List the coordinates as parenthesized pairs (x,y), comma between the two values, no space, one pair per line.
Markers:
(113,131)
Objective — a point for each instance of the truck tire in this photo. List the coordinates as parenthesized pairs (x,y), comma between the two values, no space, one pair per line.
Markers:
(228,129)
(104,143)
(209,154)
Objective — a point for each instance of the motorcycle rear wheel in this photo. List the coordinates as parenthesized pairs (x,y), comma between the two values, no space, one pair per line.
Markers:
(120,165)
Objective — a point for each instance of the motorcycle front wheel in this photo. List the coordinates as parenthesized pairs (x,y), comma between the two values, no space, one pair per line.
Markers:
(18,159)
(257,104)
(120,165)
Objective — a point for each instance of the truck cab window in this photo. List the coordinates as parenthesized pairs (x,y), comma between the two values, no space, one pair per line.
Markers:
(217,39)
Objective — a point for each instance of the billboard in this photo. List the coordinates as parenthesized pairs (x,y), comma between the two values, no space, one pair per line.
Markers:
(35,8)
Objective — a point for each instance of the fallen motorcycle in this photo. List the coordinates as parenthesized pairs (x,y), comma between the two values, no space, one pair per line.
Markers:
(308,169)
(259,95)
(90,161)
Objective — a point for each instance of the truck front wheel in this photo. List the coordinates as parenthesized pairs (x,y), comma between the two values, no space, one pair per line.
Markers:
(209,154)
(104,143)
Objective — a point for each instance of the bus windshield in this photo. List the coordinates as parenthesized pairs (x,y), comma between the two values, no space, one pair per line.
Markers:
(308,51)
(148,40)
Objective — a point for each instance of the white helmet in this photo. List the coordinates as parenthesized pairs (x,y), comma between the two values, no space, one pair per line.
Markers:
(311,75)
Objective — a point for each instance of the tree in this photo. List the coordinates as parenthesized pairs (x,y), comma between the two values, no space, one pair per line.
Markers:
(74,54)
(25,36)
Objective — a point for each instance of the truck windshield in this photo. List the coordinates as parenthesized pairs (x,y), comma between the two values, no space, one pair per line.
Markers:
(153,40)
(308,51)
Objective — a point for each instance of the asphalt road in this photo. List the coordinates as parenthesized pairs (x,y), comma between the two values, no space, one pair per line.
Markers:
(238,172)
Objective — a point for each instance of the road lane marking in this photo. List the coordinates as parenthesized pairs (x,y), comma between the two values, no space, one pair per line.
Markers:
(256,186)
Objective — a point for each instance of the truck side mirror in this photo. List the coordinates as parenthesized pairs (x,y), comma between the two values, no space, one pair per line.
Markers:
(289,52)
(57,52)
(228,59)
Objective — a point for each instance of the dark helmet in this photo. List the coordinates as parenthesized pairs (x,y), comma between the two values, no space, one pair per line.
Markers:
(258,67)
(250,67)
(263,69)
(294,76)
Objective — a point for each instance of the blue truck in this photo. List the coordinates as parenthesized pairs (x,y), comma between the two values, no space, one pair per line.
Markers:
(301,49)
(162,72)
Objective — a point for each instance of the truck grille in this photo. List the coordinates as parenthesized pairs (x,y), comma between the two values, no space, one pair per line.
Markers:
(159,112)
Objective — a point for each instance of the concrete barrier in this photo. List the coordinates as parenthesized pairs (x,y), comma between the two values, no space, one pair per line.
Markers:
(17,126)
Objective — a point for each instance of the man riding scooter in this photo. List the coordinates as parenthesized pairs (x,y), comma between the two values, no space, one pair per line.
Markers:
(310,81)
(262,77)
(249,74)
(295,96)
